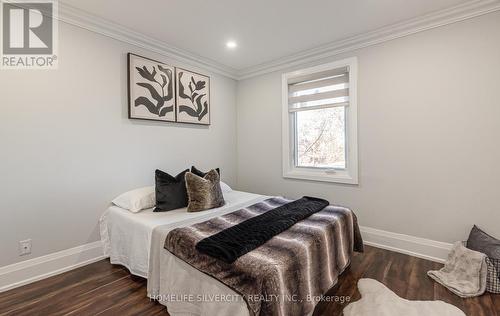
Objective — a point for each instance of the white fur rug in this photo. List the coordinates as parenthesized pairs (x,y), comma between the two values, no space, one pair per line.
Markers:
(378,300)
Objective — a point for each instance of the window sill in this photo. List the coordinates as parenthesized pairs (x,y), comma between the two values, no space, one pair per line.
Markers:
(320,175)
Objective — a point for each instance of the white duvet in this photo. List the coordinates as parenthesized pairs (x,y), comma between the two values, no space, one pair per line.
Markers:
(127,236)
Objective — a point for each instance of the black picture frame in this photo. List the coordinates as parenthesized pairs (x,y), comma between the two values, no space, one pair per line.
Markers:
(196,100)
(142,104)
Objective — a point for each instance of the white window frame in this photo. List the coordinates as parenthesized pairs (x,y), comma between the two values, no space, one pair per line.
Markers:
(290,170)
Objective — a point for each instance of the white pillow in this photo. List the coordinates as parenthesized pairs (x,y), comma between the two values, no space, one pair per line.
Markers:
(225,188)
(136,200)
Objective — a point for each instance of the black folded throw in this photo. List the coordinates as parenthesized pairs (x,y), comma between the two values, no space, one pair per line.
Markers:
(233,242)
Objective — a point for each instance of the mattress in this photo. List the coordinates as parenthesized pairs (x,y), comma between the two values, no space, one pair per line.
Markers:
(126,236)
(302,263)
(186,291)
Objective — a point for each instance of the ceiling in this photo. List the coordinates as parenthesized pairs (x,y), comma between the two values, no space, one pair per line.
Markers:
(265,30)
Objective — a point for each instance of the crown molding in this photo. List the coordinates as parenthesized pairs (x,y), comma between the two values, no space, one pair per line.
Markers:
(91,22)
(433,20)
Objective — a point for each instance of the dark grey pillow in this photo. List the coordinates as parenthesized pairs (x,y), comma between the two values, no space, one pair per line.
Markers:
(482,242)
(204,193)
(170,191)
(200,173)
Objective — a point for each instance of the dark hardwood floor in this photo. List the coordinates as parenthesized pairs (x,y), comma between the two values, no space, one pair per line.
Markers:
(104,289)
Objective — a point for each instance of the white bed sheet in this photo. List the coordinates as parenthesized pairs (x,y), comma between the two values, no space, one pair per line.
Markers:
(126,236)
(186,291)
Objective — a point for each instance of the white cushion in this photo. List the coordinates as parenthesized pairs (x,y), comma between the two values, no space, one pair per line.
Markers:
(224,187)
(136,200)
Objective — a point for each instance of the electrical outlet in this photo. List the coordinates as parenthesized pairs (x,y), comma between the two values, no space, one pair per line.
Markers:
(25,247)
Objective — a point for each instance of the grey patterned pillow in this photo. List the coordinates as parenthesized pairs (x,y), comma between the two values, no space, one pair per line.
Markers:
(204,193)
(493,276)
(482,242)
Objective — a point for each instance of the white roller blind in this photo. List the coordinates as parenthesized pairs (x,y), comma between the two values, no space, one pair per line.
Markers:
(320,90)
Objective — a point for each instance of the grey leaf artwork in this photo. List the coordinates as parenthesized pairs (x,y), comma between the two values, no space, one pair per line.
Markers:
(193,97)
(151,89)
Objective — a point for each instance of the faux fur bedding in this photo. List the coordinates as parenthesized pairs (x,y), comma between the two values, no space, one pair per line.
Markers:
(286,275)
(231,243)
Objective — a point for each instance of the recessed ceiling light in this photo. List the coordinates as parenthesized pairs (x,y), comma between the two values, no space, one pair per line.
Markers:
(231,44)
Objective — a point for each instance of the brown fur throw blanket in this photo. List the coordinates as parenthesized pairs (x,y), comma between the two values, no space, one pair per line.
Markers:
(287,274)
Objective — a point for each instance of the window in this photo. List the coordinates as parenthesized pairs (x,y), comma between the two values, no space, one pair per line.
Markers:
(320,123)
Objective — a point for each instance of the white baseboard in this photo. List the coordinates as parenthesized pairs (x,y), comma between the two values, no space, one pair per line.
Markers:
(25,272)
(409,245)
(36,269)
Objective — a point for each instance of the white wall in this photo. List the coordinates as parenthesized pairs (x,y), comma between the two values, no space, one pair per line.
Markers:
(68,148)
(429,126)
(428,138)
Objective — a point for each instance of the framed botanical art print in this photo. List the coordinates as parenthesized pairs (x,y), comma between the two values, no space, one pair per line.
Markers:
(150,89)
(193,97)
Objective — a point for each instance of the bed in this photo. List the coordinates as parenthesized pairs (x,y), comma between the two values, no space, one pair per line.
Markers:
(138,242)
(127,236)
